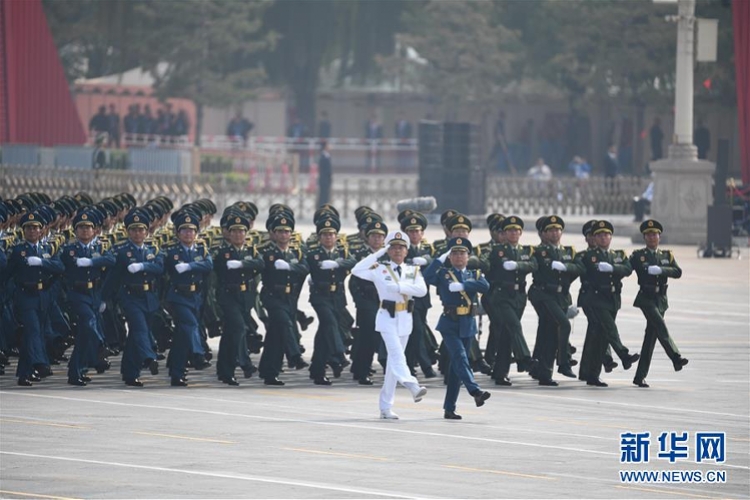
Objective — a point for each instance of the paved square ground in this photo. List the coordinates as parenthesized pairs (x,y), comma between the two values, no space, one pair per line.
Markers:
(304,441)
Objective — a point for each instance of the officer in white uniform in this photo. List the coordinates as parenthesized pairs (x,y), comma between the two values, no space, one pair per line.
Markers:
(397,283)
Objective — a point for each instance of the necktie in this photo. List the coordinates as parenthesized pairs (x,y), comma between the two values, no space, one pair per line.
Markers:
(398,271)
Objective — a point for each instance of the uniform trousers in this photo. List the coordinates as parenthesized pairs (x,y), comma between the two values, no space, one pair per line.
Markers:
(459,369)
(88,338)
(235,315)
(138,347)
(396,370)
(186,336)
(656,328)
(33,314)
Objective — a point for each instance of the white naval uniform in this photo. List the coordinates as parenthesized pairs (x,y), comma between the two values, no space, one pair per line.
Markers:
(394,331)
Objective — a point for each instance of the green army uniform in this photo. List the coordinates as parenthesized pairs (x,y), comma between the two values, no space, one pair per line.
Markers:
(601,301)
(550,296)
(652,301)
(235,269)
(507,300)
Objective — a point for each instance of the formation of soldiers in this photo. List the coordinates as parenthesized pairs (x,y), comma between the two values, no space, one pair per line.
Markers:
(111,278)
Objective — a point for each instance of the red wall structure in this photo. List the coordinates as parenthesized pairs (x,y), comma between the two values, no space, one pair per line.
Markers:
(35,102)
(741,19)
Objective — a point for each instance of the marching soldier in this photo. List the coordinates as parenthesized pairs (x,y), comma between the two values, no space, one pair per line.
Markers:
(422,345)
(132,280)
(366,301)
(329,266)
(458,287)
(508,265)
(397,284)
(284,271)
(33,268)
(497,237)
(654,267)
(236,265)
(84,259)
(550,295)
(604,270)
(187,263)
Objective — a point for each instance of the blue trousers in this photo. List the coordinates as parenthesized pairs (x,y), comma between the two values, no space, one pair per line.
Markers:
(460,369)
(186,338)
(138,346)
(87,338)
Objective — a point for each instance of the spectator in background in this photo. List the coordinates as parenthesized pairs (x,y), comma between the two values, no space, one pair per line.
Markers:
(99,157)
(296,130)
(113,120)
(611,168)
(161,126)
(181,124)
(402,130)
(146,121)
(324,126)
(373,128)
(540,171)
(642,204)
(239,128)
(579,167)
(657,137)
(99,122)
(132,119)
(702,140)
(325,174)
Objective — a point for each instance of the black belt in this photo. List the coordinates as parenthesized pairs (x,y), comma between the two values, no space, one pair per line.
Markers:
(282,289)
(454,311)
(655,289)
(328,287)
(238,287)
(84,286)
(38,286)
(510,287)
(555,288)
(141,287)
(190,289)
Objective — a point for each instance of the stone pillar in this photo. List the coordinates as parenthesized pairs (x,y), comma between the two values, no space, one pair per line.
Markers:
(683,190)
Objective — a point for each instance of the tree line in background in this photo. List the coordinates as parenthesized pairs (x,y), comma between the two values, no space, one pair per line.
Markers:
(219,53)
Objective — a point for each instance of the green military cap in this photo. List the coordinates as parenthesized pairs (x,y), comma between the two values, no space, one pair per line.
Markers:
(539,224)
(494,221)
(552,222)
(651,226)
(458,221)
(414,221)
(512,222)
(447,215)
(369,219)
(588,227)
(360,212)
(604,226)
(403,214)
(376,227)
(327,225)
(281,221)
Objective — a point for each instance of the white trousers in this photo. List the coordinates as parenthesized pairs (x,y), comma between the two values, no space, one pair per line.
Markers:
(396,369)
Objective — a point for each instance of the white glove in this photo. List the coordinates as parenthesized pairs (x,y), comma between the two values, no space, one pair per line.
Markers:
(510,265)
(234,264)
(309,279)
(444,256)
(392,288)
(181,267)
(456,287)
(558,266)
(381,252)
(329,264)
(655,270)
(605,267)
(135,267)
(102,307)
(572,312)
(34,261)
(84,262)
(419,261)
(282,265)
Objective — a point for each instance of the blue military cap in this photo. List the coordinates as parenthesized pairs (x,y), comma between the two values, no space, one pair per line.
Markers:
(186,220)
(458,244)
(32,219)
(327,225)
(47,213)
(137,218)
(85,218)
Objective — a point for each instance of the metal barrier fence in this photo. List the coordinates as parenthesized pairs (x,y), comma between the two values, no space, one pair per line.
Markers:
(564,196)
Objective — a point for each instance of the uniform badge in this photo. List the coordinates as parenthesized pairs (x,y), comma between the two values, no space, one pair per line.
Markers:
(198,258)
(593,259)
(316,257)
(500,253)
(385,272)
(46,256)
(447,276)
(128,254)
(96,254)
(643,259)
(270,257)
(150,256)
(23,253)
(176,257)
(544,253)
(72,253)
(226,255)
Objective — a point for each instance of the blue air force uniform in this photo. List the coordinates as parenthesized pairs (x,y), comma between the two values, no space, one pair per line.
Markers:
(457,324)
(135,289)
(185,298)
(82,279)
(33,297)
